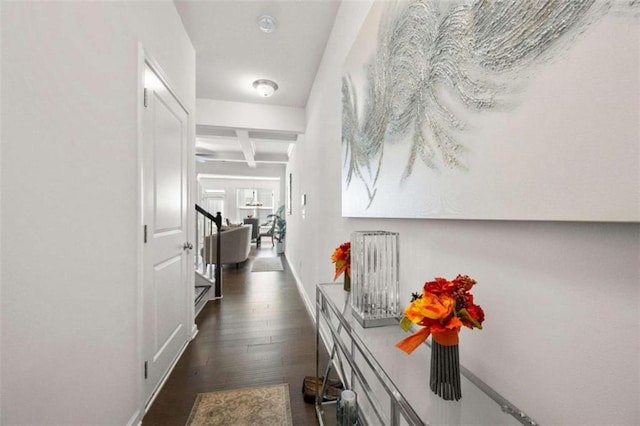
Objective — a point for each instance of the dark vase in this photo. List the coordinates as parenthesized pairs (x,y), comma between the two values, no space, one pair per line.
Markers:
(347,282)
(445,371)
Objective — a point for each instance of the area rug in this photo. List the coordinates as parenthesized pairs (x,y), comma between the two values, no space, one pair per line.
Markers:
(259,406)
(267,264)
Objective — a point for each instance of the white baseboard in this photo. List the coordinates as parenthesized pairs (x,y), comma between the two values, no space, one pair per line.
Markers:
(194,331)
(134,420)
(305,298)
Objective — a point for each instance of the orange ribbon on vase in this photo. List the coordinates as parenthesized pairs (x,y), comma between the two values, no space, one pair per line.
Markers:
(435,313)
(445,338)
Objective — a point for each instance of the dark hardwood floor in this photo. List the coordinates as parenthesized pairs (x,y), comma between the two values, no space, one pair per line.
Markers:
(260,333)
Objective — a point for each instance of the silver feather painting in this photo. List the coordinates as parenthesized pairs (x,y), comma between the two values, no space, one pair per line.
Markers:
(506,110)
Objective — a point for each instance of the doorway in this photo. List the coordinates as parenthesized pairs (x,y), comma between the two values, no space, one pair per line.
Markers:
(166,286)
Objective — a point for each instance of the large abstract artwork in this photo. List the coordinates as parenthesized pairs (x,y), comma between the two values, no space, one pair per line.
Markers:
(509,110)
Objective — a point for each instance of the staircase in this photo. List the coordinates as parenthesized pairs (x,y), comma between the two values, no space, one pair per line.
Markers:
(203,285)
(206,225)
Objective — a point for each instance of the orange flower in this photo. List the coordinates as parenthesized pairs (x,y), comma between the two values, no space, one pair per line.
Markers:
(453,324)
(429,306)
(442,309)
(342,258)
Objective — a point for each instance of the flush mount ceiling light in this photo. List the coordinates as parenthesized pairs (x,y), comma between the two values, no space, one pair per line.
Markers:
(265,88)
(267,24)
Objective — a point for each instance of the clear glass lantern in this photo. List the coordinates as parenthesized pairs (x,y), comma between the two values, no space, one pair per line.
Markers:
(374,277)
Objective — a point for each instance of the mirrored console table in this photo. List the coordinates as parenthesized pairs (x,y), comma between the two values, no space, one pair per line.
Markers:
(392,387)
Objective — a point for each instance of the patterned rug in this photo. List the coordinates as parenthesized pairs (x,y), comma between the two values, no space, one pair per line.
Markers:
(259,406)
(267,264)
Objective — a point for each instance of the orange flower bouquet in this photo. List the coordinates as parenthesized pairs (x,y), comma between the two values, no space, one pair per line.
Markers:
(442,309)
(342,258)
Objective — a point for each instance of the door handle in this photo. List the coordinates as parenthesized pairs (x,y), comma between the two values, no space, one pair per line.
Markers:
(187,246)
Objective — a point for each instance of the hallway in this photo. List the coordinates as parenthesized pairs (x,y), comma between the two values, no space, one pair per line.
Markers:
(260,333)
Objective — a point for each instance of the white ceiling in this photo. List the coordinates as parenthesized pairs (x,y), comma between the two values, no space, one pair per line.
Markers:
(232,52)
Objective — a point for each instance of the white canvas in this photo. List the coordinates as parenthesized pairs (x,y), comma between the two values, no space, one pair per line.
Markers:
(524,118)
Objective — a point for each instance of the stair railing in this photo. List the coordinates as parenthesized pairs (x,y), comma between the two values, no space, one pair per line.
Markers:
(205,223)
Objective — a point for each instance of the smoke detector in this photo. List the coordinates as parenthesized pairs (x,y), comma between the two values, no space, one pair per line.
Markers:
(267,24)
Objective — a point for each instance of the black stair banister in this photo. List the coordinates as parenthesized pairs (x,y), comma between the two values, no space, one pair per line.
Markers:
(209,219)
(208,215)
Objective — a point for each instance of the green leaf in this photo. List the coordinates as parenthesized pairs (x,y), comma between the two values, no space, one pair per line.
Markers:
(405,324)
(463,313)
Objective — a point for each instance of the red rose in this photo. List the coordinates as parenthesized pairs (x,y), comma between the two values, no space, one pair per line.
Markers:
(476,313)
(440,286)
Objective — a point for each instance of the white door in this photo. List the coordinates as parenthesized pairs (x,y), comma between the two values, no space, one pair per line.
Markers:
(165,278)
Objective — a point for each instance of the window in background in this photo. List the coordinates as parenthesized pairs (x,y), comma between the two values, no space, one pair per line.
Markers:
(215,204)
(257,203)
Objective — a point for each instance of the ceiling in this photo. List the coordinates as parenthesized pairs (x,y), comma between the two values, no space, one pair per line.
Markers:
(232,52)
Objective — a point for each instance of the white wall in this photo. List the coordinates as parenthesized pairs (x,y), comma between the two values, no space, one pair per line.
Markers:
(1,326)
(561,338)
(70,349)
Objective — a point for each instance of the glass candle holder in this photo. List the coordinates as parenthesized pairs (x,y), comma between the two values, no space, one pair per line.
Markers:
(374,278)
(347,409)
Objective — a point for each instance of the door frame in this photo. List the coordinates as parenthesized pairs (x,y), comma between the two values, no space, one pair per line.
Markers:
(145,58)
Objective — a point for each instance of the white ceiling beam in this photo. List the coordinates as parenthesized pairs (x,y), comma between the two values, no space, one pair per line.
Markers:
(277,141)
(236,157)
(247,147)
(215,139)
(215,146)
(221,156)
(272,158)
